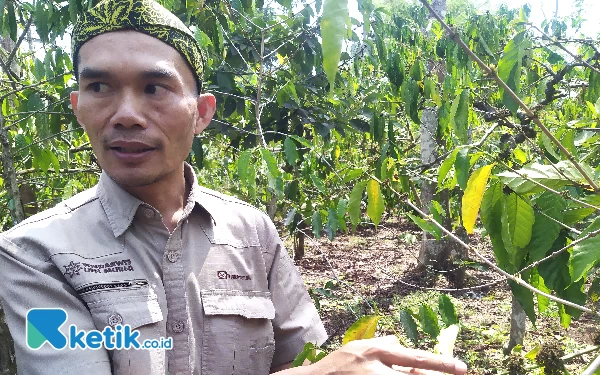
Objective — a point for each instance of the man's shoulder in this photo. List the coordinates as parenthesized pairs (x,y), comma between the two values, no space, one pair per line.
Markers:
(70,210)
(215,198)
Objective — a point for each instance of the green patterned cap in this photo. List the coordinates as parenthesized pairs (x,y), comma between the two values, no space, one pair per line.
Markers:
(145,16)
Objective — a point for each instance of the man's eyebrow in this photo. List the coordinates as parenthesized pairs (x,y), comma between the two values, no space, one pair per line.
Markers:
(159,74)
(92,73)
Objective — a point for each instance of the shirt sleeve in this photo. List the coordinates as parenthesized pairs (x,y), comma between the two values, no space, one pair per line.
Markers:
(29,281)
(297,321)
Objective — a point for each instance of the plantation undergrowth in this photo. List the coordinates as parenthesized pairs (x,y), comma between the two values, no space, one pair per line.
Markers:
(383,277)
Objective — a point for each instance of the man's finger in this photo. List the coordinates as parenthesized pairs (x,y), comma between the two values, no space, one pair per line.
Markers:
(418,359)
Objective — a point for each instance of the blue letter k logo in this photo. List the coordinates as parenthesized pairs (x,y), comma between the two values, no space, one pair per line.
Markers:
(44,325)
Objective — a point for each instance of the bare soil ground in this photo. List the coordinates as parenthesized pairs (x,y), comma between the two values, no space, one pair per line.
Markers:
(378,268)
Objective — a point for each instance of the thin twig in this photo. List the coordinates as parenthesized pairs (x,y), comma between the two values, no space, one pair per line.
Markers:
(559,45)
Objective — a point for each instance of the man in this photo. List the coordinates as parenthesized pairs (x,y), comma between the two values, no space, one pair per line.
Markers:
(149,248)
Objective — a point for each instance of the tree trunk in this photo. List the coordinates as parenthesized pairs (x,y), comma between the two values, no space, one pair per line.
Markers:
(430,247)
(518,320)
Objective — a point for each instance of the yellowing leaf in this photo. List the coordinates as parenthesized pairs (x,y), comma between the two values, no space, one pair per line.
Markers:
(375,205)
(364,328)
(471,200)
(446,341)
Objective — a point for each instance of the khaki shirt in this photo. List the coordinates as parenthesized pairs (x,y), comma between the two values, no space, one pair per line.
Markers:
(221,285)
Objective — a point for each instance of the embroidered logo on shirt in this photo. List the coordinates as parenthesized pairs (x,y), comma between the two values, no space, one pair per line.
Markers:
(224,275)
(74,268)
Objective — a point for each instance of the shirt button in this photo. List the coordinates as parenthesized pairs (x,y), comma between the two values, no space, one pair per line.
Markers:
(115,319)
(173,256)
(149,213)
(178,327)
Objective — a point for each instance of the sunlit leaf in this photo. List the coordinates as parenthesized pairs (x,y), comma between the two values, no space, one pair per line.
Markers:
(585,254)
(364,328)
(375,203)
(446,340)
(333,30)
(354,203)
(471,200)
(271,162)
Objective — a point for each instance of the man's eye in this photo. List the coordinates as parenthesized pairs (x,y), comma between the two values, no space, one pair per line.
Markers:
(97,87)
(153,89)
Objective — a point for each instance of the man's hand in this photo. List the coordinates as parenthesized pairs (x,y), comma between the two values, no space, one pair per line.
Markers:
(381,356)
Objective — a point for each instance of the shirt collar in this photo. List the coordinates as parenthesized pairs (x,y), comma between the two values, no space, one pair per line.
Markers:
(120,206)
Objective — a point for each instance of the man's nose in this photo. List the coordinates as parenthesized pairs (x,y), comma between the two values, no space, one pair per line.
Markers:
(129,111)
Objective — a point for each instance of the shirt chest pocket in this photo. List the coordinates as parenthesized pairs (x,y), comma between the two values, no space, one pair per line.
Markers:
(142,313)
(238,335)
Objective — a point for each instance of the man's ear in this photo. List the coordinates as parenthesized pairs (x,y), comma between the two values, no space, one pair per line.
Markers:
(74,101)
(207,105)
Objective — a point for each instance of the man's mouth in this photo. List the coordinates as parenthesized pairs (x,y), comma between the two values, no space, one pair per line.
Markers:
(129,150)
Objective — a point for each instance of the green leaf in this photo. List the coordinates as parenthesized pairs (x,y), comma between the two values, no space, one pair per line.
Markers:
(509,67)
(333,29)
(426,226)
(12,21)
(532,354)
(565,319)
(375,203)
(301,140)
(525,298)
(301,357)
(341,209)
(2,3)
(364,328)
(537,281)
(491,214)
(352,174)
(291,153)
(545,230)
(553,176)
(332,225)
(462,165)
(410,97)
(243,165)
(410,326)
(459,115)
(585,254)
(311,353)
(271,162)
(317,224)
(517,222)
(54,161)
(576,215)
(447,310)
(471,200)
(318,183)
(446,166)
(198,152)
(355,201)
(417,70)
(429,321)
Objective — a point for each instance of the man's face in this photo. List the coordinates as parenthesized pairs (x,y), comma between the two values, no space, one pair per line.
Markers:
(137,101)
